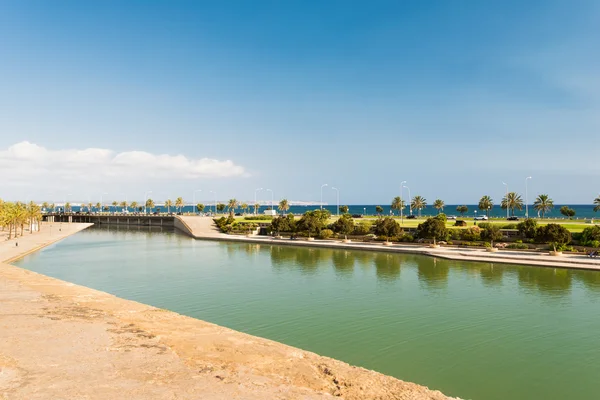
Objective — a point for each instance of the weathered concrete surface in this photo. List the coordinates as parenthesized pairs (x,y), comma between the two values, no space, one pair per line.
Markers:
(204,228)
(63,341)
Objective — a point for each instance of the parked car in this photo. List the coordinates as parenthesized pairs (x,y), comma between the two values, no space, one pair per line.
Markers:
(451,217)
(411,217)
(512,218)
(481,218)
(356,216)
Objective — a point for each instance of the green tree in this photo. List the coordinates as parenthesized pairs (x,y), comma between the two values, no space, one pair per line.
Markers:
(418,203)
(591,236)
(378,210)
(232,205)
(344,225)
(397,204)
(554,234)
(567,212)
(543,204)
(283,224)
(123,206)
(432,228)
(491,233)
(387,227)
(169,204)
(512,201)
(200,207)
(313,221)
(134,205)
(439,205)
(149,205)
(462,209)
(67,207)
(244,207)
(256,208)
(597,204)
(45,206)
(115,204)
(220,207)
(485,204)
(98,207)
(284,205)
(179,203)
(344,209)
(528,228)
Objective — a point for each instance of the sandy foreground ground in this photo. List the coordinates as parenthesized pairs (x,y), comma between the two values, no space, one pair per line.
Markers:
(63,341)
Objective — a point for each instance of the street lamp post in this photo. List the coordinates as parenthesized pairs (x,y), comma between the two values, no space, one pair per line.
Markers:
(145,200)
(364,210)
(256,190)
(215,192)
(401,204)
(322,186)
(338,200)
(102,202)
(194,200)
(269,190)
(409,203)
(526,201)
(65,205)
(506,198)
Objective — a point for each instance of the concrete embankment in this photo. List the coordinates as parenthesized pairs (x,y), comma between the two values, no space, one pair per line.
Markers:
(203,228)
(59,340)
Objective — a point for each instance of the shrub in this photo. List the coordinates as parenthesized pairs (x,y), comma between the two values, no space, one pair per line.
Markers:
(590,234)
(471,234)
(484,225)
(407,237)
(520,246)
(283,224)
(259,218)
(432,228)
(344,225)
(460,223)
(491,233)
(509,226)
(594,243)
(442,217)
(528,228)
(362,229)
(554,234)
(387,227)
(454,233)
(325,234)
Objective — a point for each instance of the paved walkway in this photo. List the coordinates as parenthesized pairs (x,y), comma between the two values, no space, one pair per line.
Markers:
(204,228)
(63,341)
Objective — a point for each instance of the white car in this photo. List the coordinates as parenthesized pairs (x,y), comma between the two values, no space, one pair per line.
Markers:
(481,218)
(451,217)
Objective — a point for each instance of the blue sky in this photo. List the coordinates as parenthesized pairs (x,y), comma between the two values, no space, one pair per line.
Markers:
(453,97)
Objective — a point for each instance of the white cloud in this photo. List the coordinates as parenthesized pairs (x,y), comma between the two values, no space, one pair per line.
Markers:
(28,162)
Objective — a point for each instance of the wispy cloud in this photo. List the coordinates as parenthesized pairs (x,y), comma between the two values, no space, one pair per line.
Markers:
(25,161)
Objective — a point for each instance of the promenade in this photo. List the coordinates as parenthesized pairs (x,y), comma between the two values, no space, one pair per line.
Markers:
(204,228)
(59,340)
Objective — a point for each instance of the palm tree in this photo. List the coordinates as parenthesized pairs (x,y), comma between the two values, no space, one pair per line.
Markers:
(179,203)
(378,210)
(149,204)
(256,208)
(232,205)
(123,206)
(418,203)
(284,205)
(244,207)
(34,215)
(134,205)
(439,205)
(115,204)
(67,207)
(597,204)
(511,201)
(45,206)
(53,207)
(169,204)
(99,207)
(200,207)
(397,204)
(485,204)
(543,204)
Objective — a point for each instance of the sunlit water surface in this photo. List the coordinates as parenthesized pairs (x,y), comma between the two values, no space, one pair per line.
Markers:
(474,330)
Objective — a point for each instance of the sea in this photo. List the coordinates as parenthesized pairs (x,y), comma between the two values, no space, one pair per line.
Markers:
(582,211)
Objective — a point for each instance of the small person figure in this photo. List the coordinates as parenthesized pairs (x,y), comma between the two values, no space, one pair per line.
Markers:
(17,244)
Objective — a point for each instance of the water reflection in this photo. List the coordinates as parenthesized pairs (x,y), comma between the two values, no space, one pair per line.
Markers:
(433,272)
(387,266)
(491,275)
(343,261)
(549,281)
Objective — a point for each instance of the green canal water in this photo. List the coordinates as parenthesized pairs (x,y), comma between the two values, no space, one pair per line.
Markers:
(473,330)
